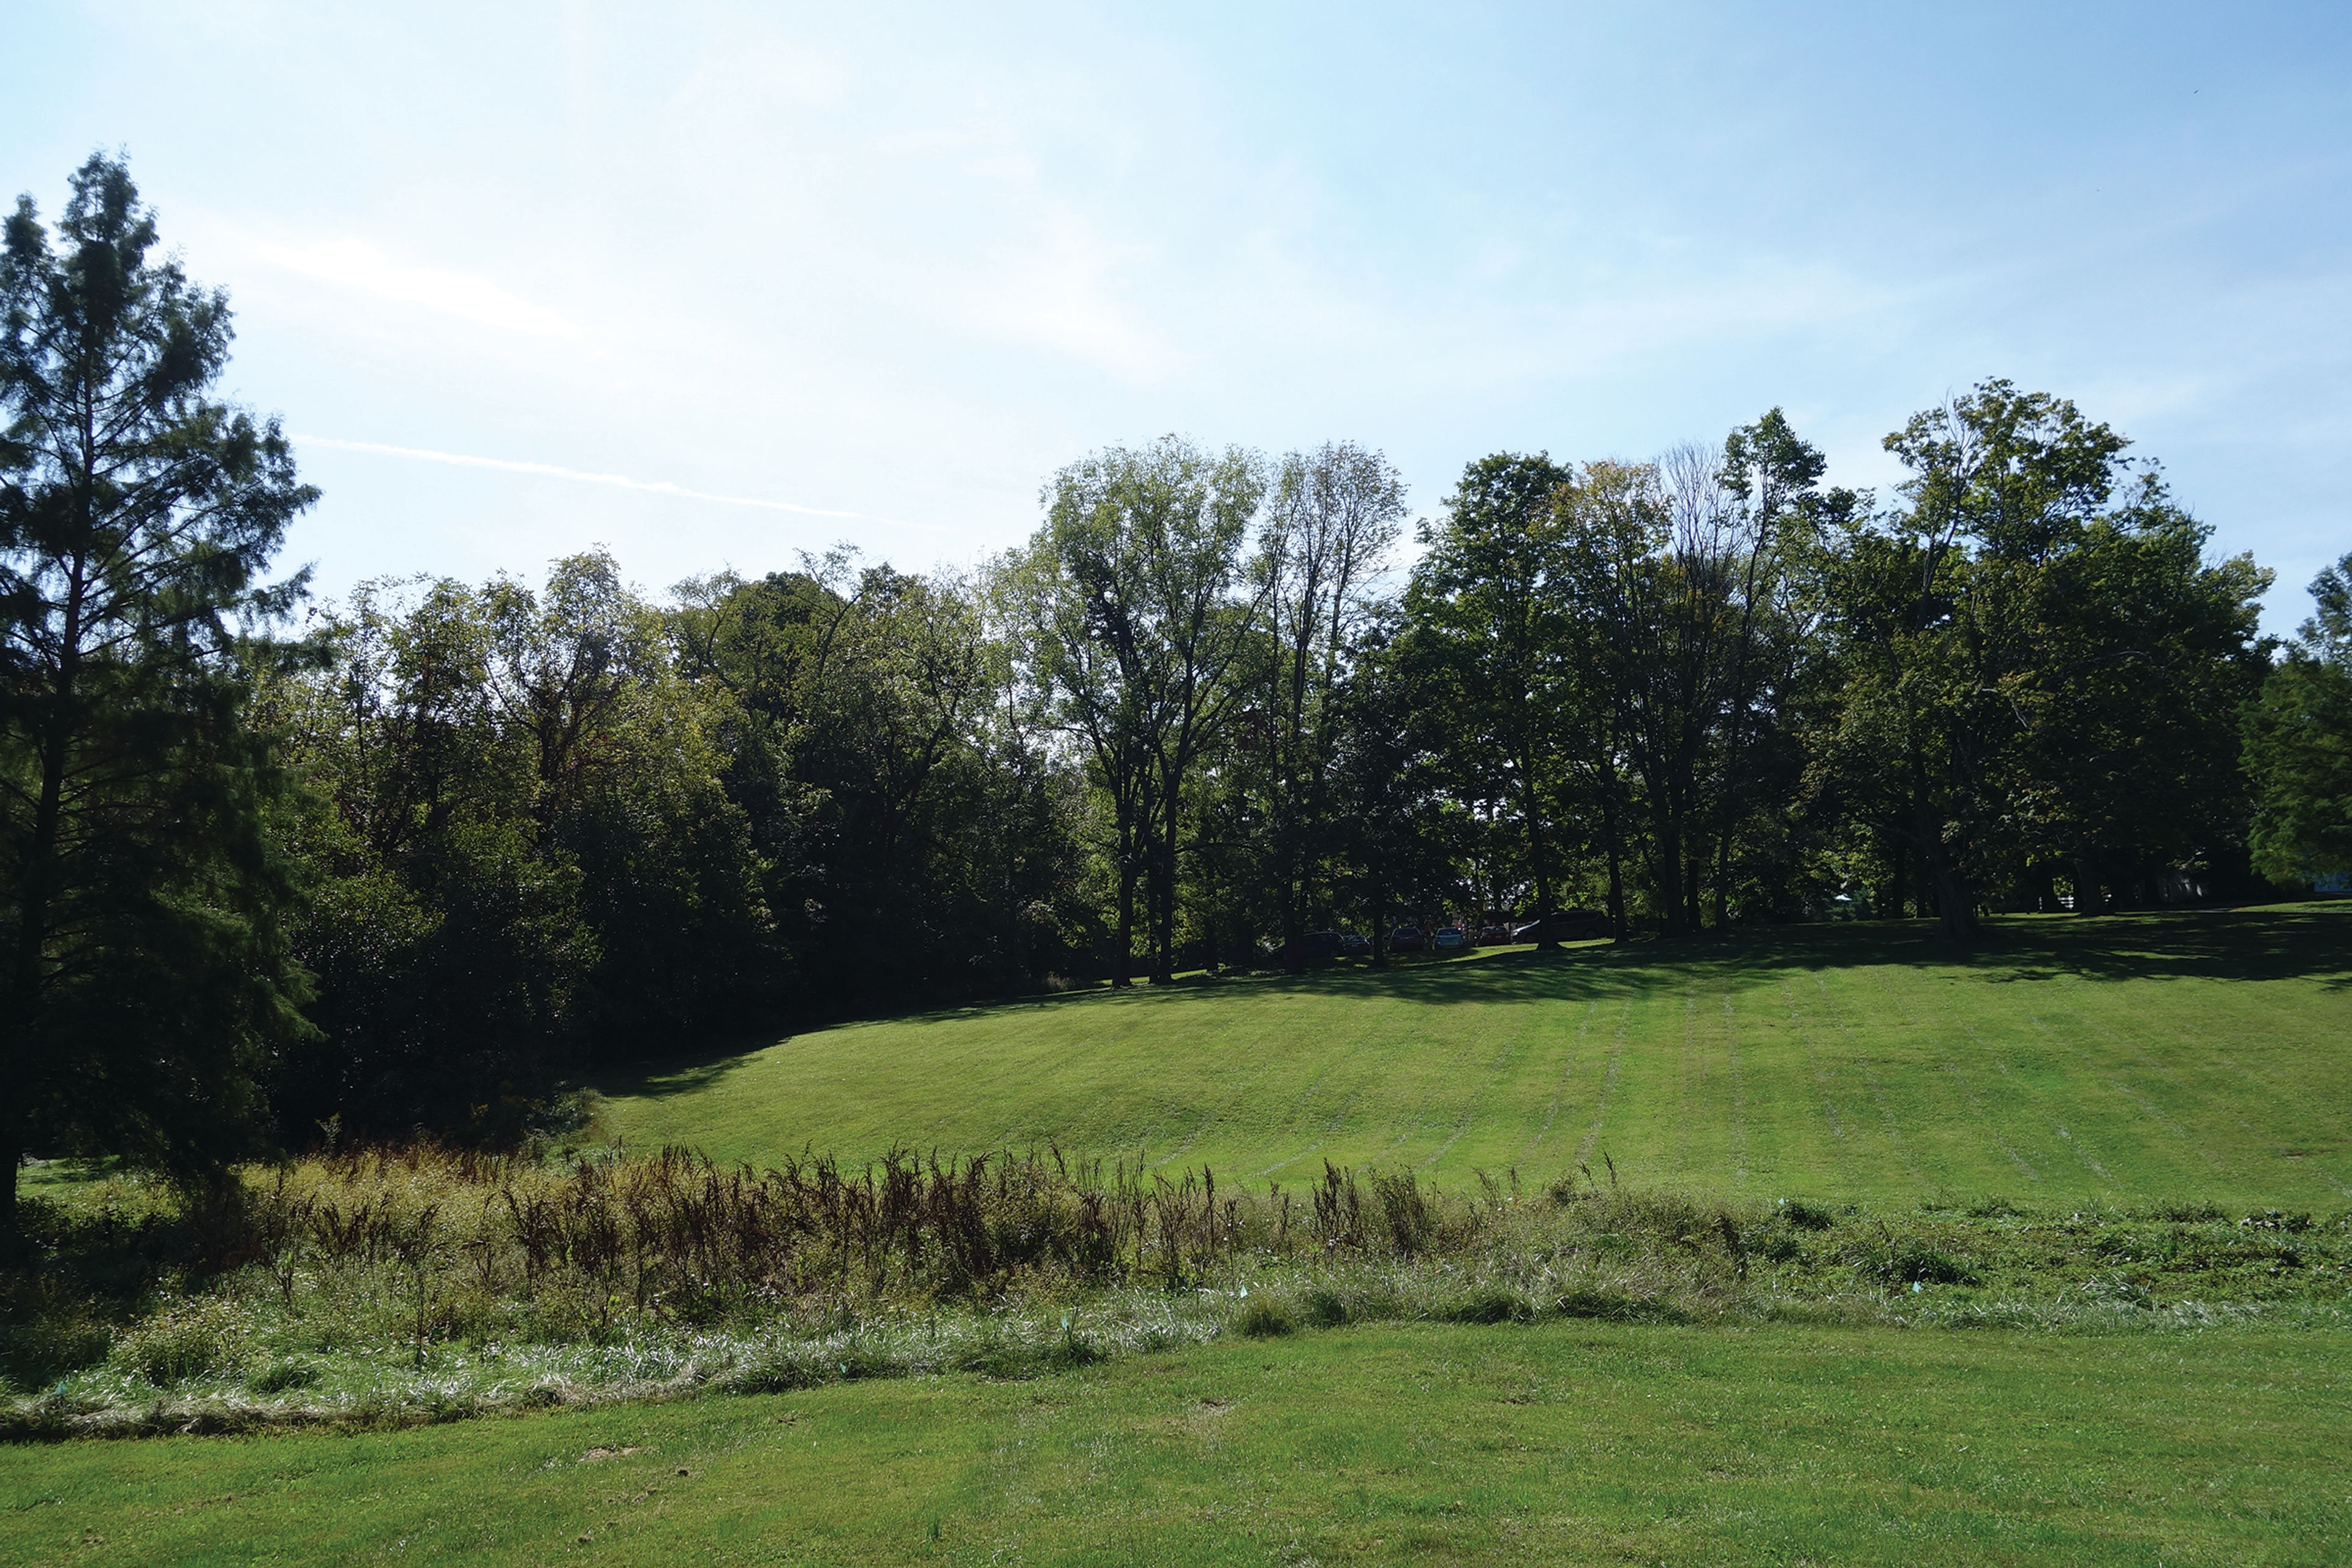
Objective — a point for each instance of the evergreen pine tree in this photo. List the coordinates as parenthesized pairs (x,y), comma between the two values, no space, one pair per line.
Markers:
(144,975)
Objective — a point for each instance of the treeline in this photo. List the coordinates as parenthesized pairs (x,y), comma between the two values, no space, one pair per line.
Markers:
(404,863)
(1203,711)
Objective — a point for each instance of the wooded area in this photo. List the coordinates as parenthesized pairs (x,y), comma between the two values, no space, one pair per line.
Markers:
(402,860)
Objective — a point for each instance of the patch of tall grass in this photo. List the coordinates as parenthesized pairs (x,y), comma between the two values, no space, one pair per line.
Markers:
(418,1283)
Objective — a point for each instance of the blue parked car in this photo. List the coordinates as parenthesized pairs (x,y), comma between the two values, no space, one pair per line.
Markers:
(1449,938)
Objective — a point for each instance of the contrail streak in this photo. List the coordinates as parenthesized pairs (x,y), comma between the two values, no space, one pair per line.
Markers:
(549,470)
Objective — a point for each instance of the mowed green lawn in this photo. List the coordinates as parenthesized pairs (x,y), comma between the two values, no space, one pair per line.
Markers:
(1564,1444)
(2186,1055)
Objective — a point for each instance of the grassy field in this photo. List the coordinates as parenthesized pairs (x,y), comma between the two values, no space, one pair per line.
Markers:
(2205,1055)
(1798,1410)
(1561,1444)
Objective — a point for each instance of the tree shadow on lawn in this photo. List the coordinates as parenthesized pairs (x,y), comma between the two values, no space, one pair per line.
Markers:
(2306,943)
(2258,944)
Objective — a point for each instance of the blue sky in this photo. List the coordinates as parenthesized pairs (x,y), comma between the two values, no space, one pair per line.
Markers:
(893,265)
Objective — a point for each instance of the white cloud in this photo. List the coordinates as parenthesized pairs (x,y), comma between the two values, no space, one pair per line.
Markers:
(550,470)
(357,265)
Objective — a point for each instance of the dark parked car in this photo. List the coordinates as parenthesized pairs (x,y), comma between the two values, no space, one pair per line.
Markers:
(1566,925)
(1319,945)
(1354,944)
(1449,938)
(1408,938)
(1493,936)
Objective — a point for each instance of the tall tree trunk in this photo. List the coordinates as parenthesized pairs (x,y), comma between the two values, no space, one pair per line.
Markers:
(1940,873)
(1669,858)
(1294,914)
(1612,844)
(1617,930)
(1723,882)
(1538,861)
(2090,899)
(1727,815)
(1122,973)
(1955,907)
(35,891)
(1163,950)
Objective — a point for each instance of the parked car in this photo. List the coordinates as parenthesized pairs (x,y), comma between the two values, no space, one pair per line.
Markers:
(1319,945)
(1408,938)
(1493,936)
(1566,925)
(1449,938)
(1354,944)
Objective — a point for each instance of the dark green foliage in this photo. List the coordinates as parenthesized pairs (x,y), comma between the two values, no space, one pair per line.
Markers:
(1265,1318)
(1491,1305)
(147,977)
(467,747)
(2298,736)
(1804,1215)
(1490,627)
(37,1347)
(560,824)
(2299,750)
(280,1377)
(1908,1261)
(1332,517)
(1134,643)
(915,840)
(2041,676)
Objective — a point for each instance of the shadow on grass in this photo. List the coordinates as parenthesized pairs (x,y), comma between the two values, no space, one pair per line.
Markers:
(2258,944)
(2251,945)
(680,1072)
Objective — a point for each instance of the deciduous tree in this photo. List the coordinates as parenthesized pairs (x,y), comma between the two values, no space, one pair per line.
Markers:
(2298,738)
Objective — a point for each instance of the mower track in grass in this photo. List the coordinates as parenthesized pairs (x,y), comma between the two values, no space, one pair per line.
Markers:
(1587,1146)
(1561,1084)
(1569,1443)
(2205,1055)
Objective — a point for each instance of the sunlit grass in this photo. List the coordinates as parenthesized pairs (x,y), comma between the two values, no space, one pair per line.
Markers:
(2205,1055)
(1572,1443)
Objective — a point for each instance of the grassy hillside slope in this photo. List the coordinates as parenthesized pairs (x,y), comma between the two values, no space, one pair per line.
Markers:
(2205,1055)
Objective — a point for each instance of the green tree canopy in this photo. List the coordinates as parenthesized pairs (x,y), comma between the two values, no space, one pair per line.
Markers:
(147,976)
(2299,743)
